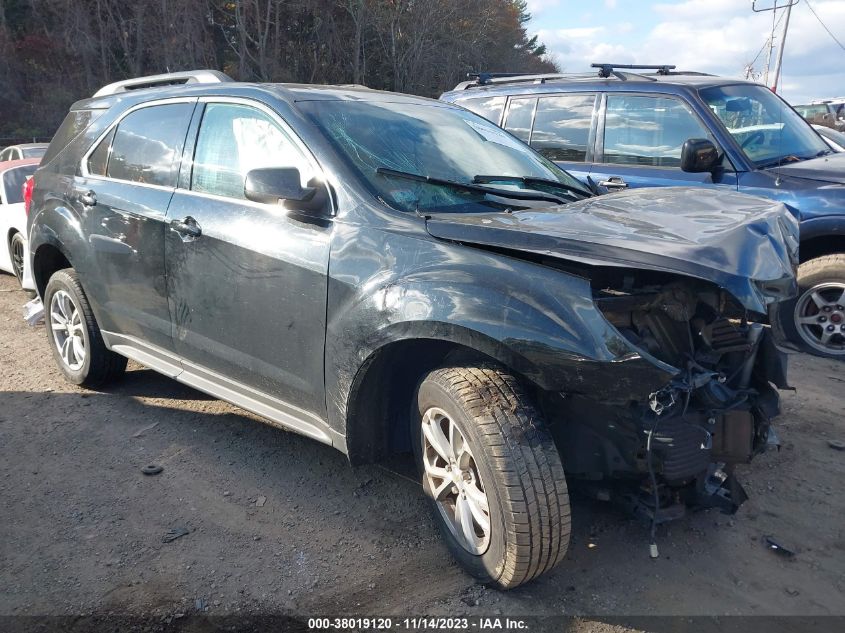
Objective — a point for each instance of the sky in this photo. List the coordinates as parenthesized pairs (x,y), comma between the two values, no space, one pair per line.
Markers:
(715,36)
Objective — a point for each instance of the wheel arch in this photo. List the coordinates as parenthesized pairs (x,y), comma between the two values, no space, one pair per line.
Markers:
(378,402)
(47,259)
(822,236)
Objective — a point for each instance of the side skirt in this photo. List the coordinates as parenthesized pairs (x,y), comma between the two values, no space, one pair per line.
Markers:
(277,412)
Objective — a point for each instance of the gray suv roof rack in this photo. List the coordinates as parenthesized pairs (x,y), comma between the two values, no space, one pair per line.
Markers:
(488,79)
(167,79)
(606,70)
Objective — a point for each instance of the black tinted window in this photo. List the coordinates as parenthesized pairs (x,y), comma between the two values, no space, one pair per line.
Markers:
(488,107)
(74,124)
(13,181)
(99,159)
(642,130)
(148,144)
(520,115)
(562,127)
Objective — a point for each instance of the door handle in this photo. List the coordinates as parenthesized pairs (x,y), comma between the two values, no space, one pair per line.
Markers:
(614,182)
(88,199)
(187,228)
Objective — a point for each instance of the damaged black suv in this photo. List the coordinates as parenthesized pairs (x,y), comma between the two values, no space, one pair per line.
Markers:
(386,273)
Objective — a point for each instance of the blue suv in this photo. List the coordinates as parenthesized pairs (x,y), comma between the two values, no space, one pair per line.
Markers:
(620,129)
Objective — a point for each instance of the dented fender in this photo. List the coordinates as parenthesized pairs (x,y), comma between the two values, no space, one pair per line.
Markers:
(540,322)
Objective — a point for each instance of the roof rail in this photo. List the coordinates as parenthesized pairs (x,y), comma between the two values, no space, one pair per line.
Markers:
(606,70)
(167,79)
(487,79)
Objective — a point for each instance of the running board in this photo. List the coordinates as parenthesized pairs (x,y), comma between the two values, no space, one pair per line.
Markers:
(276,411)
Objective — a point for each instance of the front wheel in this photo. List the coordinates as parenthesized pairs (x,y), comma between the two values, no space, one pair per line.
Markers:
(493,474)
(815,320)
(74,335)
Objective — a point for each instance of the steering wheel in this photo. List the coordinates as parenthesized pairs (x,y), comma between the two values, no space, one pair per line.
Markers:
(756,136)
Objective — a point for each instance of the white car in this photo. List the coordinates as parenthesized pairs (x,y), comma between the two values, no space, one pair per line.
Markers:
(14,250)
(832,137)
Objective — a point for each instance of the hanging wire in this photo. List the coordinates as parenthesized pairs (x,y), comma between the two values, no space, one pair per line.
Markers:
(809,6)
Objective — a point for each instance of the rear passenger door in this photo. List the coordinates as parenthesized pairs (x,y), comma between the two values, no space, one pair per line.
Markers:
(560,127)
(639,144)
(127,180)
(248,284)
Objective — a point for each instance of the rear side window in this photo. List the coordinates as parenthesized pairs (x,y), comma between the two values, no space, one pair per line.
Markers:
(147,146)
(74,124)
(644,130)
(13,180)
(234,139)
(34,152)
(562,127)
(489,107)
(520,116)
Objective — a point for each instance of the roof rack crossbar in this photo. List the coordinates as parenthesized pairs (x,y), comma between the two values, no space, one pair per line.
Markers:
(606,70)
(167,79)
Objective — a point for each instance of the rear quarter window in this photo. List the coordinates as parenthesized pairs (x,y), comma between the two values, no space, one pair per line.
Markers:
(76,122)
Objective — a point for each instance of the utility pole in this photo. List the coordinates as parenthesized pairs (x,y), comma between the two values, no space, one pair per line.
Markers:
(782,46)
(778,4)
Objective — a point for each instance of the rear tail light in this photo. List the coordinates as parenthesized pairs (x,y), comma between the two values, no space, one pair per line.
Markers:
(28,186)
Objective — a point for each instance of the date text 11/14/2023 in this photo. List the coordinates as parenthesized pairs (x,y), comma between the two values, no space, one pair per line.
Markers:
(419,624)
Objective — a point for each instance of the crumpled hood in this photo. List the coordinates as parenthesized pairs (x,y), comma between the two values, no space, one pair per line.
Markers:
(830,168)
(746,245)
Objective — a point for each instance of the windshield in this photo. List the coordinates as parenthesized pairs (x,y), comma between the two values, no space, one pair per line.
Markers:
(387,143)
(768,130)
(13,180)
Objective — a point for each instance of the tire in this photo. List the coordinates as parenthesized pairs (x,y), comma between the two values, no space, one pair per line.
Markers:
(513,463)
(815,319)
(92,365)
(17,252)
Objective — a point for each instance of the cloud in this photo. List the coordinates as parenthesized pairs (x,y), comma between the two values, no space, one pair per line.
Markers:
(536,7)
(718,36)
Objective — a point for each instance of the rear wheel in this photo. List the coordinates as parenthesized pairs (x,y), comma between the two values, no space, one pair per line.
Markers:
(16,253)
(74,335)
(816,319)
(493,474)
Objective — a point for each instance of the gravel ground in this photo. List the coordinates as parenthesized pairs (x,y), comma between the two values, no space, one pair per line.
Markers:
(281,524)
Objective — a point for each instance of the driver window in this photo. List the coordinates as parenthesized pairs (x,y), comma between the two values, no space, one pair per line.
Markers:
(650,131)
(234,139)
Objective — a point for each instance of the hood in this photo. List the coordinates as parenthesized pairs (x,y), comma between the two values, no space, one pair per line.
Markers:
(746,245)
(830,168)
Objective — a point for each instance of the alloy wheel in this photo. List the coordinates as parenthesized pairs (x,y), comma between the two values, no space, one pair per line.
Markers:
(67,325)
(17,256)
(454,481)
(820,317)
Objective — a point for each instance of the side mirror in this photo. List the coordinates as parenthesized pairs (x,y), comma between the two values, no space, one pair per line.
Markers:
(272,185)
(699,155)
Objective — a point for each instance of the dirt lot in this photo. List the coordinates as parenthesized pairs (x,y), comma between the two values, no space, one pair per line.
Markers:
(81,527)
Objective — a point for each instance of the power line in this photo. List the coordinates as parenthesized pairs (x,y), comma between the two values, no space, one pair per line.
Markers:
(824,25)
(766,43)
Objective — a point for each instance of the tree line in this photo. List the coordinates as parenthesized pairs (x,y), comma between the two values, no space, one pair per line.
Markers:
(53,52)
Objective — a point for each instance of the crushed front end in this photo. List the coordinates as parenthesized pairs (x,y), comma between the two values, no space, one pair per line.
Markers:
(674,446)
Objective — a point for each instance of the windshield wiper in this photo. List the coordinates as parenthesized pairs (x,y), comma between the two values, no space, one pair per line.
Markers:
(777,162)
(531,180)
(468,186)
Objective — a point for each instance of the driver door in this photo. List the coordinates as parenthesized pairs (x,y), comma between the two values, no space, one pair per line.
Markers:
(639,144)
